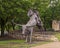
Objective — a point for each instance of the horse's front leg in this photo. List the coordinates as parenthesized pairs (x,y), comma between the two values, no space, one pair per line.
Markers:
(23,32)
(23,29)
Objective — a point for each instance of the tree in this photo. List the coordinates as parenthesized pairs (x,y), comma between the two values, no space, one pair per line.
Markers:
(11,8)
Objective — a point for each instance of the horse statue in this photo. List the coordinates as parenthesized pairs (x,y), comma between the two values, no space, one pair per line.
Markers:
(35,20)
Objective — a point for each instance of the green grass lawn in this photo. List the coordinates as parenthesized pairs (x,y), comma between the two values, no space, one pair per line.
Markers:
(18,44)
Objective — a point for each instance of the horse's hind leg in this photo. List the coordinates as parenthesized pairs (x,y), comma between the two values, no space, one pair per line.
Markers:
(26,38)
(31,35)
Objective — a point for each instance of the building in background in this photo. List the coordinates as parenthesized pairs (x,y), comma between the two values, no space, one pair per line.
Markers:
(56,25)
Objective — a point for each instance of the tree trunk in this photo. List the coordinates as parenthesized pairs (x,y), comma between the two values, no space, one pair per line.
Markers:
(13,25)
(44,23)
(2,27)
(7,28)
(2,30)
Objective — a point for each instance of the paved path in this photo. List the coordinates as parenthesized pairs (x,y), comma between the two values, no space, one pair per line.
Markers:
(49,45)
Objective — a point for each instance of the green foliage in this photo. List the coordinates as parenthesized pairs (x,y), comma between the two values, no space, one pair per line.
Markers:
(57,34)
(9,9)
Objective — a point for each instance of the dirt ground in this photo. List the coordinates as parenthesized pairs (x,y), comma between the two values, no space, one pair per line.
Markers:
(49,45)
